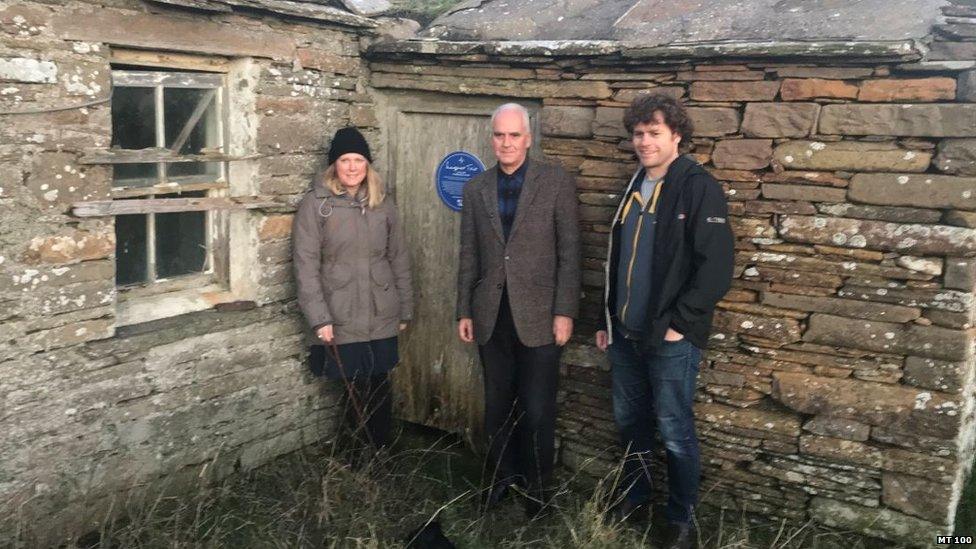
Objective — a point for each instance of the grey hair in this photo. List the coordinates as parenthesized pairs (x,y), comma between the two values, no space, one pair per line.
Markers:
(513,107)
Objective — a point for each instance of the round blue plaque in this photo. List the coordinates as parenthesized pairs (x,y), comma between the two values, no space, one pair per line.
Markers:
(452,173)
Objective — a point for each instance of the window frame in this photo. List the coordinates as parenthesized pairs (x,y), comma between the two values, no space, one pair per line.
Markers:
(159,297)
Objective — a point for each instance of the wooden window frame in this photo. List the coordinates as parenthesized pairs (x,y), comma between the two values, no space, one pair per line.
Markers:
(158,297)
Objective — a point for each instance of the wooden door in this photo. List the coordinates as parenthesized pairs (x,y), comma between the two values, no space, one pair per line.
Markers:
(439,380)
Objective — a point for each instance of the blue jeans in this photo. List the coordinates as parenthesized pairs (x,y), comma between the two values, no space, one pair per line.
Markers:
(656,389)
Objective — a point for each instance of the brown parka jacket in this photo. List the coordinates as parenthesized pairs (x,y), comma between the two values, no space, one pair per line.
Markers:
(351,266)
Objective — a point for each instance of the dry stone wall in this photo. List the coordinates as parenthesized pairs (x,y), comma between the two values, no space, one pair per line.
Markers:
(90,409)
(838,384)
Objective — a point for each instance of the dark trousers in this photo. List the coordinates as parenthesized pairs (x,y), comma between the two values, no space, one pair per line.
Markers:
(656,390)
(520,405)
(369,409)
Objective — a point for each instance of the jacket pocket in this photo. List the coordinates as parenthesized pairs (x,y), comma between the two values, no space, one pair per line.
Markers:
(386,301)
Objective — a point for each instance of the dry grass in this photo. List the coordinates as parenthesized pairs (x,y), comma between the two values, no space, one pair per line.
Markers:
(317,499)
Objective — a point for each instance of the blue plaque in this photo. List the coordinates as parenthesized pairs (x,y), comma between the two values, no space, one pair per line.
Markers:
(452,173)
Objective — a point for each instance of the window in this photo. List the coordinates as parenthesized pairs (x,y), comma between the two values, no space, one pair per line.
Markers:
(170,124)
(184,173)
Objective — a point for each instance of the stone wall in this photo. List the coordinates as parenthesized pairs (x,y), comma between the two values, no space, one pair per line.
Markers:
(838,385)
(90,409)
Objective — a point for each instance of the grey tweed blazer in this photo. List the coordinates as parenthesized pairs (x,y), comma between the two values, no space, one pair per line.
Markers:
(540,263)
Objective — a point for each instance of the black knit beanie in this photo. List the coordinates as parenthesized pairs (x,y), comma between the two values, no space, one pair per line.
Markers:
(348,140)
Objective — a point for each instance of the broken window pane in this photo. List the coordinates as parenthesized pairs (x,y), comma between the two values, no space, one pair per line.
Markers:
(130,249)
(135,175)
(191,128)
(133,127)
(181,242)
(133,118)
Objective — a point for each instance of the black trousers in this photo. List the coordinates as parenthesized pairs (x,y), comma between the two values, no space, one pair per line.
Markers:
(368,404)
(520,405)
(369,409)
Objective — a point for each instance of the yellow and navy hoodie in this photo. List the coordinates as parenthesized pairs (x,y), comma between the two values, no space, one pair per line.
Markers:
(673,273)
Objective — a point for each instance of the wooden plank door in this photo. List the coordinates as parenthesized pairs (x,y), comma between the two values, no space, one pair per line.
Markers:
(439,380)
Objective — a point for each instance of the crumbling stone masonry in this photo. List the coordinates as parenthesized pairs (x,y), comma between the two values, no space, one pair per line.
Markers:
(92,405)
(839,383)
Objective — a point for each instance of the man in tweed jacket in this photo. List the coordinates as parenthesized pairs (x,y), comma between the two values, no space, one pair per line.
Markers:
(518,293)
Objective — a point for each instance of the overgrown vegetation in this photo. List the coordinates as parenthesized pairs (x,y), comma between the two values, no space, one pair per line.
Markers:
(315,498)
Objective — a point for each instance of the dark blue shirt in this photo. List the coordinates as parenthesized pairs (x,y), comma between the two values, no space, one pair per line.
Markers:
(509,189)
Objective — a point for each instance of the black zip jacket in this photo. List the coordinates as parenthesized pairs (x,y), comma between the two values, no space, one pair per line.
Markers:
(693,256)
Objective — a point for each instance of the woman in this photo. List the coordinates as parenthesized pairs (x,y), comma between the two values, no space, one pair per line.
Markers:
(353,278)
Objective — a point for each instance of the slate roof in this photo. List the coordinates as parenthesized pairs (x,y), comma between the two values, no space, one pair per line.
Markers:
(652,23)
(319,10)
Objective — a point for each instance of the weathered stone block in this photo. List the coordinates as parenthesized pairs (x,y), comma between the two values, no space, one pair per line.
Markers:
(822,265)
(714,122)
(778,422)
(782,330)
(908,89)
(780,119)
(627,95)
(794,277)
(609,121)
(957,156)
(828,73)
(891,213)
(572,89)
(837,427)
(934,446)
(936,298)
(367,8)
(850,155)
(916,496)
(949,319)
(840,450)
(71,246)
(71,334)
(926,265)
(275,227)
(878,522)
(960,273)
(363,116)
(775,207)
(857,233)
(816,88)
(966,89)
(752,228)
(887,337)
(931,120)
(842,307)
(734,91)
(57,181)
(159,32)
(742,154)
(929,373)
(600,168)
(810,193)
(567,121)
(910,462)
(920,190)
(29,71)
(884,404)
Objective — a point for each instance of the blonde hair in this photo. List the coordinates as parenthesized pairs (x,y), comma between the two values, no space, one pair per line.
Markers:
(375,192)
